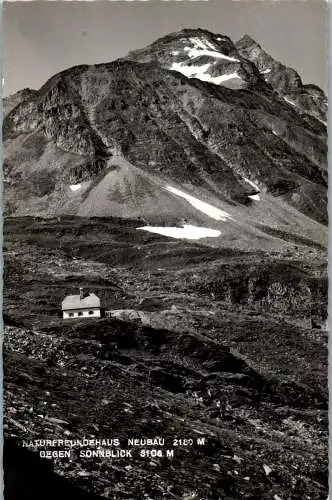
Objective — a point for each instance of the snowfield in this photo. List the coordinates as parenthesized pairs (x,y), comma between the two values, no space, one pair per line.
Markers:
(255,197)
(203,48)
(75,187)
(206,208)
(200,72)
(187,232)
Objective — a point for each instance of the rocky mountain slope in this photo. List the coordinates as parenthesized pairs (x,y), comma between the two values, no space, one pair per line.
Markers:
(241,147)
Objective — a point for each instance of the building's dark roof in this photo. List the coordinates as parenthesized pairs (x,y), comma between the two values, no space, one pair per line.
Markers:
(75,302)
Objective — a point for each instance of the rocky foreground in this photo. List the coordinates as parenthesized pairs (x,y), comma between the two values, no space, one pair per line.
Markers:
(221,349)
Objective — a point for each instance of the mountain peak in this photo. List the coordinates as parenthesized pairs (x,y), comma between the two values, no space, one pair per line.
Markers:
(200,54)
(189,32)
(247,41)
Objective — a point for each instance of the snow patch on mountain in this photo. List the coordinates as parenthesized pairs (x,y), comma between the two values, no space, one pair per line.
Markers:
(200,72)
(255,197)
(227,76)
(198,49)
(251,183)
(75,187)
(321,121)
(191,71)
(187,232)
(265,71)
(205,48)
(202,206)
(289,101)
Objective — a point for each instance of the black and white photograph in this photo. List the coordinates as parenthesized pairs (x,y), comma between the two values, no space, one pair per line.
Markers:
(165,225)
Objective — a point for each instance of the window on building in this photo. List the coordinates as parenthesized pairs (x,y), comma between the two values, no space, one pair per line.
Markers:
(80,313)
(71,314)
(91,312)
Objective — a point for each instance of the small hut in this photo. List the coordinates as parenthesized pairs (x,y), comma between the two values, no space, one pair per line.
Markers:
(83,305)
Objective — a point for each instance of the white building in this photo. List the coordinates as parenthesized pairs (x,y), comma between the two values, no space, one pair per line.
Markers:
(81,306)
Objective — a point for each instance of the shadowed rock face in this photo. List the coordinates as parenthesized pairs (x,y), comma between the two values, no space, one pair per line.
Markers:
(28,477)
(176,125)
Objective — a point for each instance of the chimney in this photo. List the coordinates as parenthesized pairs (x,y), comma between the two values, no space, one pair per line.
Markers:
(81,293)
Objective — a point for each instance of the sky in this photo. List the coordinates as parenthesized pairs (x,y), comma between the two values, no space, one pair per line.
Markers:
(41,38)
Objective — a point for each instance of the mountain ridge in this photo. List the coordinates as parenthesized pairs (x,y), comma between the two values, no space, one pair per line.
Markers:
(286,81)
